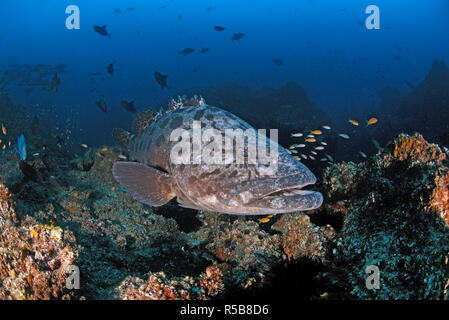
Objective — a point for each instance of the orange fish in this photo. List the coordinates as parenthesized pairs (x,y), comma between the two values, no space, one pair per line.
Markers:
(310,140)
(264,220)
(371,121)
(3,129)
(353,122)
(83,145)
(317,132)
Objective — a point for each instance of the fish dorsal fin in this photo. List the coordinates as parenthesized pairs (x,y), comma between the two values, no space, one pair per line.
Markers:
(121,138)
(184,102)
(143,120)
(145,184)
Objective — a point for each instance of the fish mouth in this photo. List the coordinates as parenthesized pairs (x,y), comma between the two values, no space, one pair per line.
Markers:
(281,195)
(287,200)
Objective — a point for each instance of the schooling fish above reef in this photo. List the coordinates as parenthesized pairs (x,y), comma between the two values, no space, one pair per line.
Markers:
(235,186)
(129,106)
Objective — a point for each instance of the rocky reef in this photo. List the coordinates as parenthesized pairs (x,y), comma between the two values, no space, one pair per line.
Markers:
(390,211)
(394,215)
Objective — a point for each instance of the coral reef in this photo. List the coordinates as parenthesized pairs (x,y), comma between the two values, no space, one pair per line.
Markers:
(394,212)
(34,257)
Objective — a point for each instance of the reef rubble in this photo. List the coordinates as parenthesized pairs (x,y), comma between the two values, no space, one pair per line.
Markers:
(390,211)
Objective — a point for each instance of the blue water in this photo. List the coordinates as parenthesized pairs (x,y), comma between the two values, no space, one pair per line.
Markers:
(340,63)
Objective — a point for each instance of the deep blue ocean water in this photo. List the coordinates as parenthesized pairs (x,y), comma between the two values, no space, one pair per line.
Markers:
(324,45)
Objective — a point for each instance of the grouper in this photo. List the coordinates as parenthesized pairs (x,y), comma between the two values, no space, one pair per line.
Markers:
(154,177)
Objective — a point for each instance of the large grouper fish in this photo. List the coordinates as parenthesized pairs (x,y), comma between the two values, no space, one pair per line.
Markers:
(154,178)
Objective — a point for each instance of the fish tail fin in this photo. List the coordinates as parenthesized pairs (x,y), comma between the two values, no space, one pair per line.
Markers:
(122,138)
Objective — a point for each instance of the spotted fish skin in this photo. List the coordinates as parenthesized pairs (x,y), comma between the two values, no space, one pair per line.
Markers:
(243,189)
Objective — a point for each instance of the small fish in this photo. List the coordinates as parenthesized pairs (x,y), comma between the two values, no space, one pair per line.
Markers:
(102,30)
(131,9)
(112,189)
(297,158)
(310,140)
(21,148)
(204,50)
(117,10)
(302,145)
(161,79)
(304,156)
(110,68)
(296,135)
(376,144)
(294,151)
(330,157)
(84,145)
(314,153)
(323,143)
(323,159)
(4,147)
(327,127)
(278,61)
(343,135)
(316,132)
(371,121)
(264,220)
(319,148)
(310,136)
(128,106)
(122,156)
(312,157)
(237,36)
(209,9)
(219,28)
(187,51)
(353,122)
(3,129)
(362,154)
(54,83)
(104,149)
(289,151)
(101,104)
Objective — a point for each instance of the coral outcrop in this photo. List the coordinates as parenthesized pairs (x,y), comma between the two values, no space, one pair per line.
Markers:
(394,216)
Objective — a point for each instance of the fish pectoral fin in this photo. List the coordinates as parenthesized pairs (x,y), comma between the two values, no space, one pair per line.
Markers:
(147,185)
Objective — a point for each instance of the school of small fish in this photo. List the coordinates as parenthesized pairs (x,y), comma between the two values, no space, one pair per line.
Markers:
(312,137)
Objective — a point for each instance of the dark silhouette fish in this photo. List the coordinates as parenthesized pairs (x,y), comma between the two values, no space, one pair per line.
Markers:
(129,106)
(102,30)
(278,62)
(204,50)
(237,36)
(232,188)
(54,83)
(117,10)
(187,51)
(110,68)
(101,104)
(131,9)
(219,28)
(161,79)
(209,9)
